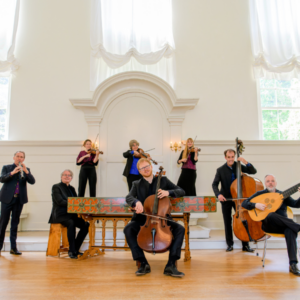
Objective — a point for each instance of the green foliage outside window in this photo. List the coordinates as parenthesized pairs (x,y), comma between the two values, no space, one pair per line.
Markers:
(280,104)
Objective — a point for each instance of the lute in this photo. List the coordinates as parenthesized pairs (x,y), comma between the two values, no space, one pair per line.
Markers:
(273,201)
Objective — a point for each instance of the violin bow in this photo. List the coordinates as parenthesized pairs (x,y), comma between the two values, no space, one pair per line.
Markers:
(96,139)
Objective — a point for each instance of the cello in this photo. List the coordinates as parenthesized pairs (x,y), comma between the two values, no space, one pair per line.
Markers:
(244,186)
(156,236)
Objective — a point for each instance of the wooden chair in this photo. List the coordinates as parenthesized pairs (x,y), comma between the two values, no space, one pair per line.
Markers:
(57,234)
(278,235)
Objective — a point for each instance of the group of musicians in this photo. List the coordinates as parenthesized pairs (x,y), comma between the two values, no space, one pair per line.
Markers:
(141,184)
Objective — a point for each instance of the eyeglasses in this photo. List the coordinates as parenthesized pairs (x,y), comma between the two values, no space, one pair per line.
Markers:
(144,168)
(67,175)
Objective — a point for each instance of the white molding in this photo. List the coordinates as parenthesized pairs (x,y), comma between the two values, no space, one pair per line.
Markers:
(41,143)
(133,82)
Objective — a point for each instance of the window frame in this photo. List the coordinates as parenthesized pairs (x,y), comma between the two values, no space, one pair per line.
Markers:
(260,110)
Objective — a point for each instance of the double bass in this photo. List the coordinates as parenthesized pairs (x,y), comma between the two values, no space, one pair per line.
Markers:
(244,186)
(156,236)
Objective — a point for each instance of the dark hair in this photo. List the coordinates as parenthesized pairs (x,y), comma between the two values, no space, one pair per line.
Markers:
(229,150)
(19,152)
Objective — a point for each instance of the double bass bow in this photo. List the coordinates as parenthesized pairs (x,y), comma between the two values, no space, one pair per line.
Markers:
(156,236)
(244,186)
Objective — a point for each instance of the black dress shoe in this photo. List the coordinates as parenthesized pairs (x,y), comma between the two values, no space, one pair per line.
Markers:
(248,249)
(79,253)
(143,269)
(72,255)
(172,271)
(230,248)
(294,269)
(15,252)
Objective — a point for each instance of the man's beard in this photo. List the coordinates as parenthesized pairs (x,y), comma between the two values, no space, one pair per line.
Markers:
(271,189)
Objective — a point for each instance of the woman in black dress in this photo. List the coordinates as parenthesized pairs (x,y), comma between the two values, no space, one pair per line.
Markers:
(88,162)
(188,158)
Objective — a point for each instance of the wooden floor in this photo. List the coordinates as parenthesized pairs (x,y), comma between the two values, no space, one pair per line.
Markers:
(211,274)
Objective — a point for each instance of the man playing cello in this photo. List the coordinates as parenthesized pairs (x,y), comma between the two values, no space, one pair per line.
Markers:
(140,190)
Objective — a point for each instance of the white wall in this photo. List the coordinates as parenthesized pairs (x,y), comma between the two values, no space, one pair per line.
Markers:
(213,57)
(48,159)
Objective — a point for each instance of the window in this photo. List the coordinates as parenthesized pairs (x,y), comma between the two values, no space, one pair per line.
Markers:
(4,100)
(280,109)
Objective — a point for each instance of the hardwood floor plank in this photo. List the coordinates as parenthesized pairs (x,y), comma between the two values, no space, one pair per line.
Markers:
(211,274)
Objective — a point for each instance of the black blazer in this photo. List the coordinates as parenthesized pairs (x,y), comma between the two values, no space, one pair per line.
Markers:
(140,191)
(10,183)
(223,175)
(60,194)
(129,162)
(192,158)
(282,210)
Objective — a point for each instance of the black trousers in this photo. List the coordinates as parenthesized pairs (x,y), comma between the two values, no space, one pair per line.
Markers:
(15,209)
(275,223)
(76,242)
(131,232)
(227,207)
(87,172)
(131,178)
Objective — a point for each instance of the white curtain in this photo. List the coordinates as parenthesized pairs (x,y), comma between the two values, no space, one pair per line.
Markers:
(9,16)
(129,35)
(275,36)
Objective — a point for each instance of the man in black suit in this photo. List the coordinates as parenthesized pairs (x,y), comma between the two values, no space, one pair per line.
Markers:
(278,222)
(140,190)
(60,193)
(13,196)
(226,174)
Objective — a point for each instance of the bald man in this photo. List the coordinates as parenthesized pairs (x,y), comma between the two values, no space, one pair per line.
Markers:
(278,222)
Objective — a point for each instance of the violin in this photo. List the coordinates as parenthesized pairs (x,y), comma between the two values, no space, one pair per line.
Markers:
(244,186)
(156,236)
(193,150)
(142,154)
(93,151)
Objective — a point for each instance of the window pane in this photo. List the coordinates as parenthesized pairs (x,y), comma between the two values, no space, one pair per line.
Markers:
(270,118)
(265,83)
(295,96)
(295,83)
(283,84)
(267,98)
(271,134)
(283,98)
(286,118)
(287,134)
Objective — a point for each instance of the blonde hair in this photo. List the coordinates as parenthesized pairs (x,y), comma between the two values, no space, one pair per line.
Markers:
(133,142)
(185,151)
(141,161)
(86,142)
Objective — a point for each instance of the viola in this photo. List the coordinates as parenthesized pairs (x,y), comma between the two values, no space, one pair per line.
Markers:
(142,154)
(244,186)
(156,236)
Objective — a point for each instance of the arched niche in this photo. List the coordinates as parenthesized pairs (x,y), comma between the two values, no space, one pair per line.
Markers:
(133,88)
